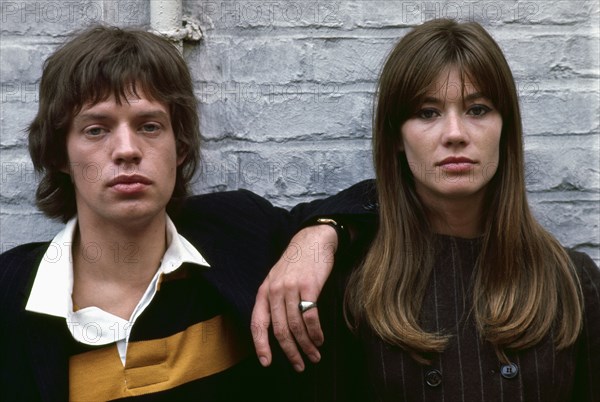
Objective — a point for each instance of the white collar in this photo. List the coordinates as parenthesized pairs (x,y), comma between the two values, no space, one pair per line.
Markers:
(53,284)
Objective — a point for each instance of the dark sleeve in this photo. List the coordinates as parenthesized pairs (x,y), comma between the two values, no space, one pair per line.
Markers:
(356,204)
(587,371)
(340,375)
(17,270)
(21,360)
(357,200)
(242,235)
(355,207)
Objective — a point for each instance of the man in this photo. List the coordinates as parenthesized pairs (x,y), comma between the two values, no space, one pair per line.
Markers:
(120,304)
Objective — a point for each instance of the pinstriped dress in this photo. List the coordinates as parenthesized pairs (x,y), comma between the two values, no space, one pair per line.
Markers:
(468,370)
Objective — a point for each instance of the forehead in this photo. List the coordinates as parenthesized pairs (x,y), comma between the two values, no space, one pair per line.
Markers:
(452,84)
(124,92)
(131,103)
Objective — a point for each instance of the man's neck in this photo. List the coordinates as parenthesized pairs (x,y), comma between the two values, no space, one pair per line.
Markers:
(113,264)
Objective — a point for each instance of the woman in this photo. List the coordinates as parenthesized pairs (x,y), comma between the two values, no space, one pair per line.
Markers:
(462,295)
(461,288)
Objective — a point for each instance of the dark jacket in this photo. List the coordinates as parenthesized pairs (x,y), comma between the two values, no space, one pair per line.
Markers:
(240,234)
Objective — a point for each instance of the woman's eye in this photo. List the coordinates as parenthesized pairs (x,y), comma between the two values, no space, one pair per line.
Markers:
(426,113)
(478,110)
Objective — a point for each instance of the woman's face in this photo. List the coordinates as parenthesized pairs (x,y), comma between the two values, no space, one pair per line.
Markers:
(452,143)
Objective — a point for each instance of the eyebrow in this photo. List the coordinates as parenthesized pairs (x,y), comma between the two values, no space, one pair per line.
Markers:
(85,117)
(154,114)
(93,116)
(474,95)
(469,97)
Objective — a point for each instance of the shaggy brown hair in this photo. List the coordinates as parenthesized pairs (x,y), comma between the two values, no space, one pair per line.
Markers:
(96,64)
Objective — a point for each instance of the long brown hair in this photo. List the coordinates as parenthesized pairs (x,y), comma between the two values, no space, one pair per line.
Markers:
(524,283)
(95,64)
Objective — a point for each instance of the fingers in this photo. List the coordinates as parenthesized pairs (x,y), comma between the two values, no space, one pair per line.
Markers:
(299,331)
(282,328)
(305,327)
(270,307)
(260,322)
(312,335)
(285,319)
(313,326)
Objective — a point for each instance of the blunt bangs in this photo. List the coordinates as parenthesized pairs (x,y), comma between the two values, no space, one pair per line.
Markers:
(428,57)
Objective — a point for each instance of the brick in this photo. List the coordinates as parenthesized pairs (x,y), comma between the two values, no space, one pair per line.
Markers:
(209,61)
(252,60)
(563,163)
(21,65)
(347,59)
(252,15)
(23,226)
(377,14)
(305,169)
(18,180)
(407,13)
(562,12)
(32,18)
(15,120)
(575,222)
(552,55)
(313,114)
(564,112)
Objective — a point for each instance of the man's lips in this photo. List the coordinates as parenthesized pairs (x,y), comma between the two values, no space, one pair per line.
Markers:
(132,179)
(129,184)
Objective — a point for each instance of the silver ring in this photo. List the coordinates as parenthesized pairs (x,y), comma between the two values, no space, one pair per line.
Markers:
(304,306)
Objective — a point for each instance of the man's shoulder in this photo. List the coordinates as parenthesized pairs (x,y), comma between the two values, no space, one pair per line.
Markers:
(222,199)
(223,207)
(17,267)
(21,259)
(22,254)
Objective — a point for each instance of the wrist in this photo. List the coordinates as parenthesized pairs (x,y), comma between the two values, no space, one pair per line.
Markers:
(331,229)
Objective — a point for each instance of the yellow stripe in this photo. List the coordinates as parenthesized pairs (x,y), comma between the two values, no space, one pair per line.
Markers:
(201,350)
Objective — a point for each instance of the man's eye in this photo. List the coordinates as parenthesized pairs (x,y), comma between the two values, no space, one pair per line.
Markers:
(150,128)
(94,131)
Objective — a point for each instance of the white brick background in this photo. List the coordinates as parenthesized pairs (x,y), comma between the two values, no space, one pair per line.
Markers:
(286,96)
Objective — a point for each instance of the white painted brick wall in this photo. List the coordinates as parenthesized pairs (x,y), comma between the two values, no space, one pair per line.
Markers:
(286,96)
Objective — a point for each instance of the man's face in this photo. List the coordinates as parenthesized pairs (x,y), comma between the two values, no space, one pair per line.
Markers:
(122,160)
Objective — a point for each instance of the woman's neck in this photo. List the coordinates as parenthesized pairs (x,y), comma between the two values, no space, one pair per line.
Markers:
(461,217)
